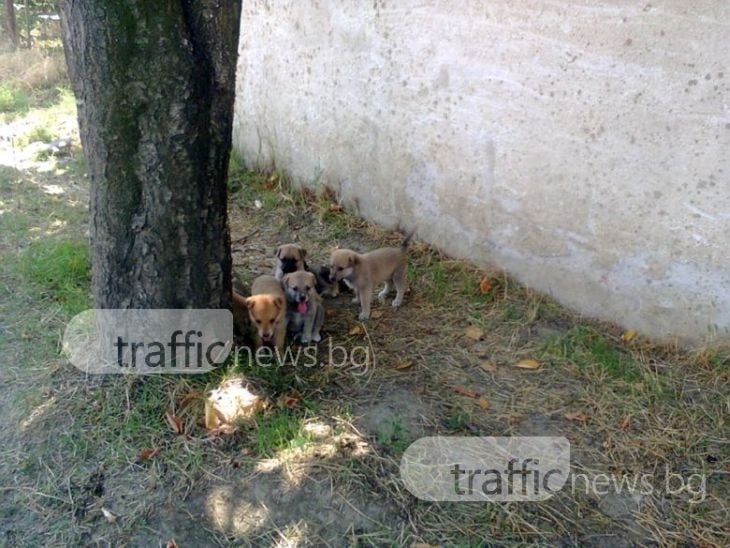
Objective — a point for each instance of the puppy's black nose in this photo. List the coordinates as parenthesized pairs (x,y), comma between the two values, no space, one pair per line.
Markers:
(302,298)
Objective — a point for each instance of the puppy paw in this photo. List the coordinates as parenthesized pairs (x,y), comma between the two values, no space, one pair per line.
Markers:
(317,337)
(363,317)
(355,300)
(397,303)
(305,339)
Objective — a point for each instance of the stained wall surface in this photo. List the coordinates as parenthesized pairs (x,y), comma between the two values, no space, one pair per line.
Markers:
(583,146)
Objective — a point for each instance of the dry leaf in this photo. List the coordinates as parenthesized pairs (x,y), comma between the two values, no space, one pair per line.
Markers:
(474,333)
(578,416)
(485,286)
(257,204)
(335,207)
(171,544)
(175,423)
(628,335)
(466,392)
(625,423)
(222,429)
(290,400)
(187,399)
(356,330)
(111,518)
(483,403)
(528,364)
(488,366)
(423,545)
(402,365)
(375,314)
(145,454)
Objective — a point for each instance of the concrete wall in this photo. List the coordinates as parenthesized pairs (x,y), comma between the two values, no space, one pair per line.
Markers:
(584,146)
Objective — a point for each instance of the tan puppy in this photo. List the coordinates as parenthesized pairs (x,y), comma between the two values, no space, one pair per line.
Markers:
(305,313)
(364,271)
(267,309)
(289,258)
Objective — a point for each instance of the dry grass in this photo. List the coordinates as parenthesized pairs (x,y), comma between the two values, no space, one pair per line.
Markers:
(643,408)
(34,69)
(320,465)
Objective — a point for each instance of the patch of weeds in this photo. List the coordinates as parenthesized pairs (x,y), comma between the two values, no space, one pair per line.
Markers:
(13,99)
(38,133)
(394,435)
(438,282)
(589,351)
(61,270)
(458,419)
(283,429)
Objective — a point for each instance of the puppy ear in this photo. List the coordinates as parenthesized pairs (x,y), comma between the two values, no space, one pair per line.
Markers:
(250,303)
(312,278)
(302,252)
(278,252)
(278,303)
(285,279)
(352,261)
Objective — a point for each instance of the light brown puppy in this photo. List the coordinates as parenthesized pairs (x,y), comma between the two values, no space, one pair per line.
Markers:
(305,313)
(267,309)
(289,258)
(364,271)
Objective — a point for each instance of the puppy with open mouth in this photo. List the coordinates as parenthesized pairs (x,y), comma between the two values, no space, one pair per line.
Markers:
(267,310)
(305,314)
(365,271)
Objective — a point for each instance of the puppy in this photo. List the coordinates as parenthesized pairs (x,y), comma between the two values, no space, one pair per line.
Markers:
(365,271)
(305,313)
(325,286)
(267,310)
(289,258)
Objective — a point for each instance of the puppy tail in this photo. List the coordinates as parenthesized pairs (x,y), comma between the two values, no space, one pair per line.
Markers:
(407,240)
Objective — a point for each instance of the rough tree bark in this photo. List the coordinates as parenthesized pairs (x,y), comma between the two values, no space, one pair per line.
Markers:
(10,23)
(154,85)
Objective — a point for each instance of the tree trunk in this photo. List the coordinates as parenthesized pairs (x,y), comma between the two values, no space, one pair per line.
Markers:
(10,22)
(154,85)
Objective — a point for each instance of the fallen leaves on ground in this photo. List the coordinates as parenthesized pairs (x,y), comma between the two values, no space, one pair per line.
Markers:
(403,365)
(483,403)
(356,330)
(628,335)
(485,285)
(290,400)
(466,392)
(577,416)
(146,454)
(474,333)
(175,423)
(188,399)
(528,364)
(488,366)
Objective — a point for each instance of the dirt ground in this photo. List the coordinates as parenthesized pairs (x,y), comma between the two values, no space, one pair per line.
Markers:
(92,460)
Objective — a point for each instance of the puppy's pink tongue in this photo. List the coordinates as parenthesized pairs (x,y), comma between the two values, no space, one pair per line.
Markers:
(302,307)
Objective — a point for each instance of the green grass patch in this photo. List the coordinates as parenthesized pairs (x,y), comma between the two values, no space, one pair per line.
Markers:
(283,429)
(591,352)
(13,99)
(60,270)
(393,435)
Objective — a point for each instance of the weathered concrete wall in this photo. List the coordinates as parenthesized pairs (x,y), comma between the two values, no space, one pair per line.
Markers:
(584,146)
